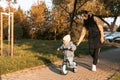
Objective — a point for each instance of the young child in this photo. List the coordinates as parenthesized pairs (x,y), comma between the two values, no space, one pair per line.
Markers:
(68,49)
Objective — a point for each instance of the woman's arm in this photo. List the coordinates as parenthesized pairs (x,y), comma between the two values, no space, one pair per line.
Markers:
(100,27)
(82,35)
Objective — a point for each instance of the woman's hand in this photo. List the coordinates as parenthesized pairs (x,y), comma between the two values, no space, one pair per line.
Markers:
(77,44)
(102,40)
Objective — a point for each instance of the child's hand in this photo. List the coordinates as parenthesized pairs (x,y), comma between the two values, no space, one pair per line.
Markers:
(69,48)
(58,49)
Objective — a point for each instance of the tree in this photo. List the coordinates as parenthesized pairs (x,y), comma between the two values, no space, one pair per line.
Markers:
(19,16)
(34,22)
(1,9)
(109,8)
(69,9)
(114,7)
(60,23)
(67,6)
(72,7)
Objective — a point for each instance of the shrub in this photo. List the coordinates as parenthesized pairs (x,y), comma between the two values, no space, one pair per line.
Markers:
(18,32)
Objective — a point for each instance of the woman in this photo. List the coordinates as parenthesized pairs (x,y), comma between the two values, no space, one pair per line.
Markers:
(94,26)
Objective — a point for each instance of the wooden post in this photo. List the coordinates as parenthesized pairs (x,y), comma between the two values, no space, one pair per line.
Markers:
(12,34)
(1,34)
(9,30)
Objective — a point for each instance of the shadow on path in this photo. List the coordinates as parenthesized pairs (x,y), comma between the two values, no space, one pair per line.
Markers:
(84,65)
(108,60)
(55,68)
(112,57)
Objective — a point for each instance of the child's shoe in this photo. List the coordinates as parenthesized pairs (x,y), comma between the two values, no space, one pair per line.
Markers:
(75,69)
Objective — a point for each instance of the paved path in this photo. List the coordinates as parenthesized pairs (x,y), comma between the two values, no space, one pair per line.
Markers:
(108,66)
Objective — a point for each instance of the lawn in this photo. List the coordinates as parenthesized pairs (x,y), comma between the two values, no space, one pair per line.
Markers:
(31,53)
(116,77)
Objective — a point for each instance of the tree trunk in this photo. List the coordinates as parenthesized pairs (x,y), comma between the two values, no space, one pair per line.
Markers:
(72,9)
(55,34)
(113,24)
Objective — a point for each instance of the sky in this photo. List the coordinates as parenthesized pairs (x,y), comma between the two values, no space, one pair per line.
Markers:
(110,20)
(26,5)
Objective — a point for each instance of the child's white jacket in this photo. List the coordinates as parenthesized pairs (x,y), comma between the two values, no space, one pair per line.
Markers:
(68,49)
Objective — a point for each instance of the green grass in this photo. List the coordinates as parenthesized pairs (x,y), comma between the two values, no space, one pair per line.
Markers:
(116,77)
(31,53)
(82,49)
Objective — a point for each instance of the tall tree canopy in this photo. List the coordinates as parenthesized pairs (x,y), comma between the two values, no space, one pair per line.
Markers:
(101,8)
